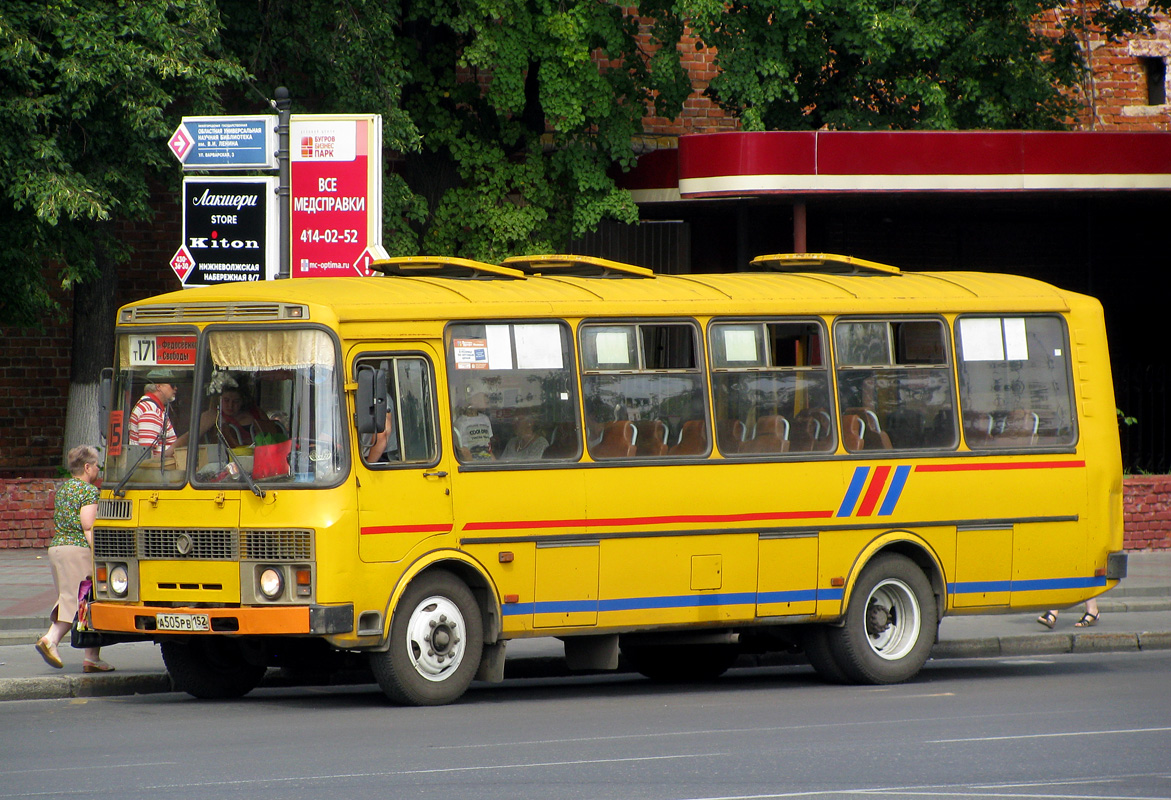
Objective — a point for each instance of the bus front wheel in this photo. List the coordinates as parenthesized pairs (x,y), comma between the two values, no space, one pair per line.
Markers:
(211,667)
(890,623)
(436,641)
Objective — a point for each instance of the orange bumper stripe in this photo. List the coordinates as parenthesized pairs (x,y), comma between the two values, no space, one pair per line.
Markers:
(270,620)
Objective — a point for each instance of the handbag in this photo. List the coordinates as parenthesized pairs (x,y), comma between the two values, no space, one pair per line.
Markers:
(82,634)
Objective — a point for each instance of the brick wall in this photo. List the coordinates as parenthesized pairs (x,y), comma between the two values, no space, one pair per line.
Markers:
(26,512)
(1147,512)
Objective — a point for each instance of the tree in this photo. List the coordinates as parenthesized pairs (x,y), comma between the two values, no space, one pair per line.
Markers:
(900,64)
(88,102)
(504,117)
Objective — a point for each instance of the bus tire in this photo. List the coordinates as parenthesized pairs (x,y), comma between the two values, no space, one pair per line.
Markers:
(211,667)
(680,663)
(821,657)
(890,623)
(436,641)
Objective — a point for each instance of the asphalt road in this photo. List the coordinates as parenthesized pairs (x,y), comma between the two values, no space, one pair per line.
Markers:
(1054,727)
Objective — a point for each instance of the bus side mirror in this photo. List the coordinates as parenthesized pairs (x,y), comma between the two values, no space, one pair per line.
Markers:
(370,401)
(105,397)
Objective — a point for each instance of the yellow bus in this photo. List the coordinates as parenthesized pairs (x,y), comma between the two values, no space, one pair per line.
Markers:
(821,455)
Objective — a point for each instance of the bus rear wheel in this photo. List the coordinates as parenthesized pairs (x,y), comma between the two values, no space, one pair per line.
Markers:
(890,623)
(211,667)
(436,641)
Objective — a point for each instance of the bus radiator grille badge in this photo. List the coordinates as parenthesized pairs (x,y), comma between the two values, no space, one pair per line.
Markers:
(183,544)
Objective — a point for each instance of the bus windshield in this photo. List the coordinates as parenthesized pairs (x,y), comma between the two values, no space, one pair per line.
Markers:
(236,407)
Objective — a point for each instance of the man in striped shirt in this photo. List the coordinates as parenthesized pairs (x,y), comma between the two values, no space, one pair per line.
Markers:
(150,416)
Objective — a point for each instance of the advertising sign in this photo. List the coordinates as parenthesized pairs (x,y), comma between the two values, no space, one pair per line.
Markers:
(226,142)
(336,177)
(230,231)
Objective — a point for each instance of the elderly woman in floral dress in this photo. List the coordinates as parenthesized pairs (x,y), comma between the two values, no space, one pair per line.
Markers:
(74,510)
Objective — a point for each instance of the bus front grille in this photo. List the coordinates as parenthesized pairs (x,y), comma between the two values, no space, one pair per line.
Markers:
(110,544)
(276,545)
(114,509)
(172,543)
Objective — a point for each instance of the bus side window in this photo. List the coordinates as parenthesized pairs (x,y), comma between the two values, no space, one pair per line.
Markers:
(894,379)
(770,387)
(513,392)
(410,434)
(649,374)
(1015,385)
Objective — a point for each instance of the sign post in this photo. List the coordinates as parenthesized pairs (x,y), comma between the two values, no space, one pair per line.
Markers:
(336,165)
(229,231)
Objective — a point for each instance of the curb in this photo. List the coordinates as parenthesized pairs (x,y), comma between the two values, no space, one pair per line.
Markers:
(68,686)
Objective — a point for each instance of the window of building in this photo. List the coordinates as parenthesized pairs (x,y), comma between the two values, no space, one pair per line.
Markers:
(1155,71)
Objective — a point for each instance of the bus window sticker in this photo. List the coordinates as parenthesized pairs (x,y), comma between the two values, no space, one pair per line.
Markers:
(538,346)
(740,346)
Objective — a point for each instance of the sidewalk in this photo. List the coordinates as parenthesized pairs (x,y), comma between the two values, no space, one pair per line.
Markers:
(1136,616)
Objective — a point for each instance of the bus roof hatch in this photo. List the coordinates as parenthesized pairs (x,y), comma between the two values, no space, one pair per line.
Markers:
(442,267)
(825,263)
(576,266)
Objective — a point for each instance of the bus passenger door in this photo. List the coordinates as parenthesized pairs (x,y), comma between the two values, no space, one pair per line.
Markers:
(404,494)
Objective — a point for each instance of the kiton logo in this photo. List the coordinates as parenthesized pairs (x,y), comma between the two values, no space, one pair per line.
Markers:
(236,201)
(213,242)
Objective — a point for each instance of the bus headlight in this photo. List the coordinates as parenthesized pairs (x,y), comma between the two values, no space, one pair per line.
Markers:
(119,580)
(271,583)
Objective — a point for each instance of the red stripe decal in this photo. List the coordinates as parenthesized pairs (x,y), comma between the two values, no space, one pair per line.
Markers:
(1000,465)
(874,491)
(438,528)
(631,521)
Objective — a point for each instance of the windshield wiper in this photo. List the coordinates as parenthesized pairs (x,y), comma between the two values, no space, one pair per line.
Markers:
(120,489)
(256,490)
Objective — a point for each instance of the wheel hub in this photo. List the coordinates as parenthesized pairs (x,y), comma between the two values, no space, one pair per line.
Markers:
(434,638)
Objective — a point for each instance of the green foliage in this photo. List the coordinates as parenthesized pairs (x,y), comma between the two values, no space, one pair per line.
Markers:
(899,64)
(85,111)
(503,122)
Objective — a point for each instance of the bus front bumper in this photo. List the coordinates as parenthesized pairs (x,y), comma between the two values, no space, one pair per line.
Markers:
(311,620)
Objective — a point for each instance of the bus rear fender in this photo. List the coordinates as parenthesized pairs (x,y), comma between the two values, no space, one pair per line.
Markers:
(468,570)
(907,544)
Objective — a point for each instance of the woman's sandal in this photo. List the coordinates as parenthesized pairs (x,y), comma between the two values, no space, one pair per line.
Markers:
(1048,619)
(1088,620)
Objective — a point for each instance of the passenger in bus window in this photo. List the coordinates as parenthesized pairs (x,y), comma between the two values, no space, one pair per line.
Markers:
(473,429)
(151,422)
(527,443)
(376,447)
(240,419)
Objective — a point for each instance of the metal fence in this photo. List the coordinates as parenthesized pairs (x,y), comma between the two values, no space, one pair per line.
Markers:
(1141,392)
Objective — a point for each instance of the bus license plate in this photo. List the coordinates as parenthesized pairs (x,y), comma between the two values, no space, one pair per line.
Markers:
(182,622)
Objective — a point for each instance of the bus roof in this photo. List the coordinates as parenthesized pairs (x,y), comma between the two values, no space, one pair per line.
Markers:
(399,297)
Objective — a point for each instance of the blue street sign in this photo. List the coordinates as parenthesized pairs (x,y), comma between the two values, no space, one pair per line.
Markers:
(226,142)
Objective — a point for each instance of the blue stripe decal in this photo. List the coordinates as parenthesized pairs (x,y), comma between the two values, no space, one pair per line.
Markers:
(895,491)
(678,601)
(1039,585)
(857,483)
(798,596)
(831,594)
